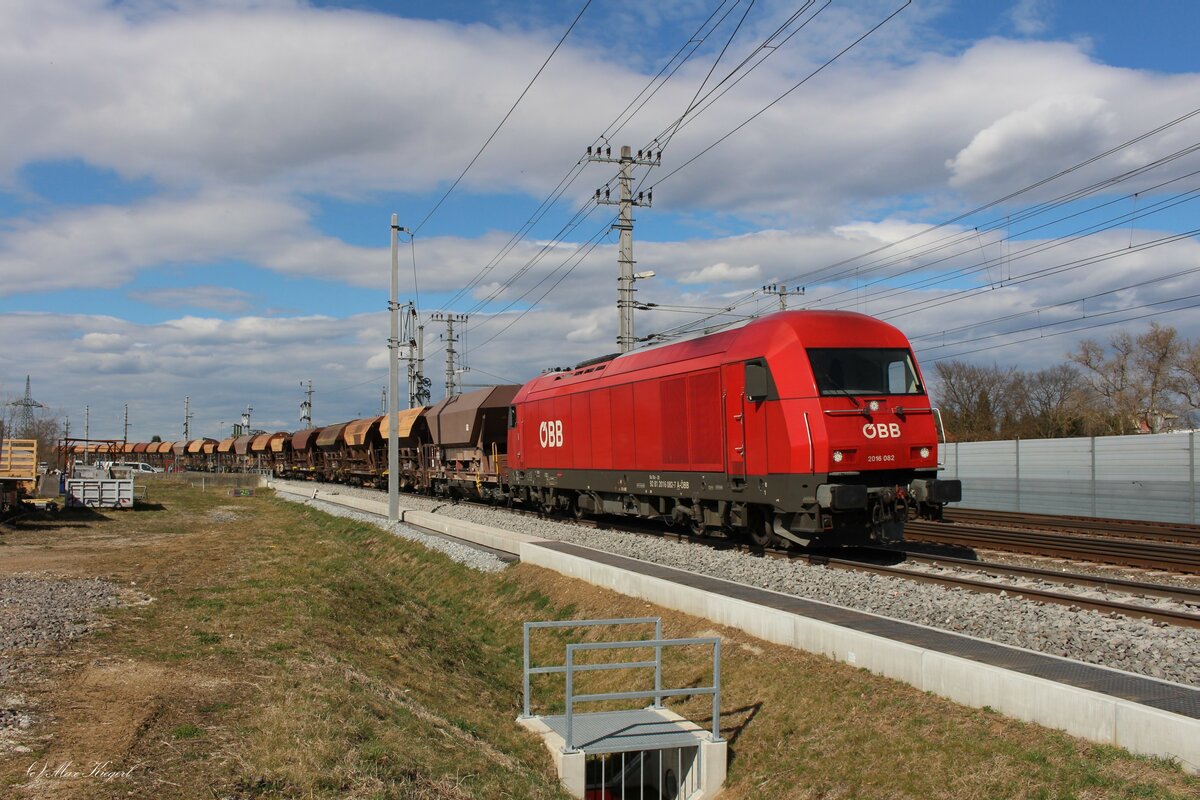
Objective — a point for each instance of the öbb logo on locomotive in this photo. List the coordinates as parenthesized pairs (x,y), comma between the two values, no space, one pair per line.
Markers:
(882,430)
(550,433)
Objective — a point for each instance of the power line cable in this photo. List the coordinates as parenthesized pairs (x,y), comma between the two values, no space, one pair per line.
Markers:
(753,295)
(1076,330)
(968,236)
(528,86)
(1038,248)
(1037,311)
(695,40)
(793,88)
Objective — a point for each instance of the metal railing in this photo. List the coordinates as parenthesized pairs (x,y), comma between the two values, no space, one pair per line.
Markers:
(584,623)
(657,693)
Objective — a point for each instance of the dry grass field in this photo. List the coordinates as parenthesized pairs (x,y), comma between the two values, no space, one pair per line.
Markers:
(285,653)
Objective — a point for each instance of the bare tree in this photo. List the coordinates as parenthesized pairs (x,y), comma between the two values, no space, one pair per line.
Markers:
(1054,402)
(1139,381)
(1187,375)
(975,401)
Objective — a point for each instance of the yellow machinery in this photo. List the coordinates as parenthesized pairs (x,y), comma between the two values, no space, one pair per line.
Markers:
(18,461)
(18,471)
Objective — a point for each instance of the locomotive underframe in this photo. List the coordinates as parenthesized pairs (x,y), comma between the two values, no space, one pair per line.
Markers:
(813,508)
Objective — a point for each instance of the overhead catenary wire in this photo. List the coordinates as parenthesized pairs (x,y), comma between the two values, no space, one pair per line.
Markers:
(831,60)
(767,46)
(781,97)
(977,232)
(1037,311)
(582,255)
(1037,248)
(614,127)
(1081,329)
(488,141)
(808,277)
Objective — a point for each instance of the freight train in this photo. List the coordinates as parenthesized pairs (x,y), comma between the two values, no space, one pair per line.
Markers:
(802,427)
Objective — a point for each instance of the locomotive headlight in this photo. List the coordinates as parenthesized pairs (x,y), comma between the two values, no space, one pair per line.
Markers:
(873,405)
(837,456)
(924,452)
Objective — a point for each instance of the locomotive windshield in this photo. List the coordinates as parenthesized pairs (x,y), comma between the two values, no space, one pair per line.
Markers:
(856,371)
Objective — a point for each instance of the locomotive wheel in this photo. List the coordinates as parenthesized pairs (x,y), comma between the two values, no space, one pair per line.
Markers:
(762,529)
(697,526)
(578,510)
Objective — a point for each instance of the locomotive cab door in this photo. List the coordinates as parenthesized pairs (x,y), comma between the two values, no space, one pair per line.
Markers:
(734,397)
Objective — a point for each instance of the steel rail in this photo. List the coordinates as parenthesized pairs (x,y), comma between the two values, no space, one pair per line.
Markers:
(1130,528)
(1179,594)
(1106,550)
(1181,618)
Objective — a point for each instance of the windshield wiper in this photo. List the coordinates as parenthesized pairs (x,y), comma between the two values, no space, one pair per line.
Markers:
(839,388)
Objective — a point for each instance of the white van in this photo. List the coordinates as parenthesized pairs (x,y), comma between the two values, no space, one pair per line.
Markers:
(135,466)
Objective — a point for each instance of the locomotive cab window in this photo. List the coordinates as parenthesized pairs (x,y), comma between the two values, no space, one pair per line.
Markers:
(864,371)
(512,416)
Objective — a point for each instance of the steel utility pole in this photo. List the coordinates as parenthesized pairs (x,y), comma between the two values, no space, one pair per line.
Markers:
(394,379)
(783,293)
(125,436)
(187,419)
(306,406)
(27,404)
(450,319)
(87,434)
(626,202)
(413,337)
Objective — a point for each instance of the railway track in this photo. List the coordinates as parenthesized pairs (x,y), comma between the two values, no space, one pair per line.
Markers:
(1127,528)
(1180,595)
(1100,549)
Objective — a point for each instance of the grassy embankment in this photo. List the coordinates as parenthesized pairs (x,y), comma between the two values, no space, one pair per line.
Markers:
(293,654)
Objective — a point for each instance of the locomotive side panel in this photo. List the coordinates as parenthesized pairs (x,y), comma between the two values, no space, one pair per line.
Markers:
(601,429)
(580,430)
(621,400)
(647,444)
(705,438)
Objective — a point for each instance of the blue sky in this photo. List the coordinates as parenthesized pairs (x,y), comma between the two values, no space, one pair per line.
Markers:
(194,196)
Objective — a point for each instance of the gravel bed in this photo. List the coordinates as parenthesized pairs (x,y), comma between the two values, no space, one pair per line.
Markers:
(472,557)
(36,611)
(1158,650)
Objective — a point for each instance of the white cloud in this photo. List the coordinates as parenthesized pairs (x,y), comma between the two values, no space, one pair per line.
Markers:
(1054,129)
(225,299)
(105,246)
(345,102)
(721,272)
(1030,17)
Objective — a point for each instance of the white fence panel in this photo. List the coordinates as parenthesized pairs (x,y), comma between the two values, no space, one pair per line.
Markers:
(1150,477)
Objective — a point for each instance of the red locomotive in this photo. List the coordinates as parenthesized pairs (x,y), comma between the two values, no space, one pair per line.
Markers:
(805,426)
